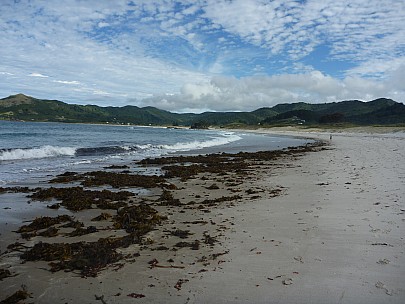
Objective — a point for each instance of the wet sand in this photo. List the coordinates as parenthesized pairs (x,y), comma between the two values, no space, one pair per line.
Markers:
(316,227)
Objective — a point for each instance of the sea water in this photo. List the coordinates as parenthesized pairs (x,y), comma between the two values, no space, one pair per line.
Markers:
(32,151)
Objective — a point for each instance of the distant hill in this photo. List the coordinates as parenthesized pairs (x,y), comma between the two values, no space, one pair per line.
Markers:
(380,111)
(21,107)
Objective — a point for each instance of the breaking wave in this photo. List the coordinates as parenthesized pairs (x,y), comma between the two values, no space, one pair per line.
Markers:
(145,150)
(195,145)
(31,153)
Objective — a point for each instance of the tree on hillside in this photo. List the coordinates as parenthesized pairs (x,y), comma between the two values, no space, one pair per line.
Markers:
(332,118)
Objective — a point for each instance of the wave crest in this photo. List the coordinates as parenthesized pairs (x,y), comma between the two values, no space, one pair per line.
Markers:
(41,152)
(144,150)
(195,145)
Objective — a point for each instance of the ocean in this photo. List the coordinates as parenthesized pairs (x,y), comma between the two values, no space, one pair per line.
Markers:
(31,152)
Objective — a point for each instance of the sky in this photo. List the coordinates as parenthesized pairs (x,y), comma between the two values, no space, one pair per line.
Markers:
(202,55)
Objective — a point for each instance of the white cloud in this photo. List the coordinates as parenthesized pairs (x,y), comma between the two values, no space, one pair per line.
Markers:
(352,29)
(66,81)
(378,67)
(250,93)
(107,51)
(38,75)
(51,37)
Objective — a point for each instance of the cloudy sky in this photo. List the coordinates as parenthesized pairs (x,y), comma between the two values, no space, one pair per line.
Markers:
(197,55)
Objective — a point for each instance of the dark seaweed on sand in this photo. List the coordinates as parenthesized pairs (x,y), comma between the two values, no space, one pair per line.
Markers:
(17,297)
(167,199)
(114,179)
(44,222)
(76,198)
(91,257)
(186,167)
(137,219)
(4,273)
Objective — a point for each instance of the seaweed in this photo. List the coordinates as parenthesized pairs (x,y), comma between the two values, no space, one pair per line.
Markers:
(180,283)
(160,248)
(214,256)
(111,205)
(76,198)
(17,189)
(83,231)
(167,199)
(66,177)
(114,179)
(90,258)
(50,232)
(17,297)
(136,295)
(44,222)
(54,206)
(102,217)
(28,235)
(213,187)
(117,167)
(209,239)
(209,158)
(73,224)
(223,163)
(137,219)
(4,273)
(117,180)
(183,234)
(17,246)
(196,222)
(214,202)
(275,192)
(190,171)
(193,245)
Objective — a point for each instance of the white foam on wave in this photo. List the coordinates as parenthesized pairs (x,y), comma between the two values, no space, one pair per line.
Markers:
(41,152)
(195,145)
(150,150)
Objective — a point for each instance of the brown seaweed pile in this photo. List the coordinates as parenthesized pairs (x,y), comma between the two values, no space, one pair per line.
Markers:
(44,222)
(102,217)
(17,189)
(91,257)
(88,258)
(190,171)
(114,179)
(4,273)
(183,234)
(48,223)
(186,167)
(76,198)
(167,199)
(17,297)
(137,219)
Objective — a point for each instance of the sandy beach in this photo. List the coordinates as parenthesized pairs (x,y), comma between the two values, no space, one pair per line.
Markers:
(325,226)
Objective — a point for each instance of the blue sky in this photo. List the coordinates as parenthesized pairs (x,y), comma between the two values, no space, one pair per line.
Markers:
(222,55)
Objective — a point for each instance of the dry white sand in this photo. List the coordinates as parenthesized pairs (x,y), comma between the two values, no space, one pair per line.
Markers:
(335,235)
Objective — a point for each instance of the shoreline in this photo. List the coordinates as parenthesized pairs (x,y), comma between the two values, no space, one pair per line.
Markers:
(288,239)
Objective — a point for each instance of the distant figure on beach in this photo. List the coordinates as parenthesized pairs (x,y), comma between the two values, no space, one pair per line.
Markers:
(330,137)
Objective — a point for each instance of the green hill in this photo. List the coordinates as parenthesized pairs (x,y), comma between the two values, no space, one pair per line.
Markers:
(380,111)
(21,107)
